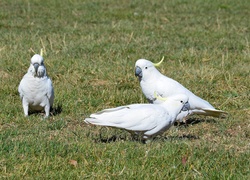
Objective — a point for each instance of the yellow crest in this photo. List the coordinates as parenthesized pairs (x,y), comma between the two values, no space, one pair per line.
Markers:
(159,97)
(159,63)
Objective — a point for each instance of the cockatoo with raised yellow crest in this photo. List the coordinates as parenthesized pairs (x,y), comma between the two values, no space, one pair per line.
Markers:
(36,89)
(146,120)
(151,81)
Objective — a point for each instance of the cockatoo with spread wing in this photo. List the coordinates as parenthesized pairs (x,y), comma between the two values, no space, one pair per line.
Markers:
(147,120)
(151,81)
(36,89)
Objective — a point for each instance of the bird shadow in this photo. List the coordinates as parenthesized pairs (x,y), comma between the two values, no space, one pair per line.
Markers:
(56,110)
(113,138)
(193,121)
(53,111)
(133,138)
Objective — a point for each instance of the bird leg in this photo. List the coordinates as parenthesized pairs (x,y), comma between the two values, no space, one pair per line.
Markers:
(25,107)
(47,110)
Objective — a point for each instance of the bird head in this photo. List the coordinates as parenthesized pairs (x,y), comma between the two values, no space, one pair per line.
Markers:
(145,68)
(179,101)
(37,67)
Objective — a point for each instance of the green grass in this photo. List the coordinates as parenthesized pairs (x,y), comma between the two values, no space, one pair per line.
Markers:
(90,51)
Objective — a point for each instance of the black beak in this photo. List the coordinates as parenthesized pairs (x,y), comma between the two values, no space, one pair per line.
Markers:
(138,71)
(186,107)
(36,65)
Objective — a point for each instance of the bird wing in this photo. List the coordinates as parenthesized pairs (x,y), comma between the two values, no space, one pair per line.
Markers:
(20,90)
(136,117)
(24,85)
(50,91)
(167,87)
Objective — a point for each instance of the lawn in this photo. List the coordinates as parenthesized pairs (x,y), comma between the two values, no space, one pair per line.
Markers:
(90,48)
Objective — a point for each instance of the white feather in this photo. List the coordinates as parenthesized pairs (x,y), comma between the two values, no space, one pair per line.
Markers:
(151,80)
(146,119)
(36,89)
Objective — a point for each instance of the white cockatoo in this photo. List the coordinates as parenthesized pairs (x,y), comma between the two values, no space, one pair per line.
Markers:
(151,81)
(36,89)
(146,120)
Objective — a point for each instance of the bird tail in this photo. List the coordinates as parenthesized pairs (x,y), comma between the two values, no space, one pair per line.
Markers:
(215,113)
(91,121)
(100,122)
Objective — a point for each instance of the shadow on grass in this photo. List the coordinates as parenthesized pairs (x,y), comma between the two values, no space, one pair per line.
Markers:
(134,138)
(113,138)
(53,111)
(192,121)
(56,110)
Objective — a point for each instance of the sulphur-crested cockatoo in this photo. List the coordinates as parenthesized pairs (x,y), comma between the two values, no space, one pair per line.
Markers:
(146,120)
(36,89)
(151,81)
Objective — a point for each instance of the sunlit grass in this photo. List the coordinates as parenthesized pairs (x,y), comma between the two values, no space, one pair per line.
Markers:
(90,48)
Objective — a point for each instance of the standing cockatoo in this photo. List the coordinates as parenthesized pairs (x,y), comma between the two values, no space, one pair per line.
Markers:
(151,81)
(36,89)
(147,120)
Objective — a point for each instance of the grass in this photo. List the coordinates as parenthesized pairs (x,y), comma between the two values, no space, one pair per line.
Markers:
(90,51)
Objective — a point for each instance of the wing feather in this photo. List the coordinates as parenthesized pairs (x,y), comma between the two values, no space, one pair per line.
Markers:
(136,117)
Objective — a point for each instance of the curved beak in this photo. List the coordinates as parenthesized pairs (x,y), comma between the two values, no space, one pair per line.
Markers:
(36,65)
(138,71)
(186,107)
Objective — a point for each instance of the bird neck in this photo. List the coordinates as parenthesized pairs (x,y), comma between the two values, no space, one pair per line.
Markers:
(172,107)
(153,76)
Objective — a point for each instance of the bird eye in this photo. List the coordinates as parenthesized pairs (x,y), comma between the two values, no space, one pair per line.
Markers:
(146,67)
(181,101)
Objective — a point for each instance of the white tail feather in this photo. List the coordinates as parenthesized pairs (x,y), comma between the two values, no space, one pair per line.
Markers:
(214,113)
